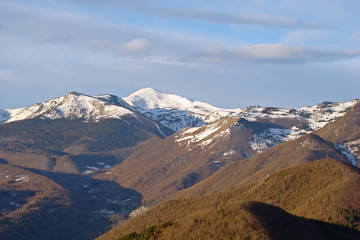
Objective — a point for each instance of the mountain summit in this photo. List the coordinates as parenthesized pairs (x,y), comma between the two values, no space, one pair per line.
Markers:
(149,98)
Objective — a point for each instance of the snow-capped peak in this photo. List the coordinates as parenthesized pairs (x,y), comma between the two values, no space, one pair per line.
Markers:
(174,111)
(74,105)
(149,98)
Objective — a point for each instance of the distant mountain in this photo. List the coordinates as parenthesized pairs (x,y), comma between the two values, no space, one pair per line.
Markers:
(257,211)
(75,106)
(177,112)
(174,112)
(148,98)
(81,123)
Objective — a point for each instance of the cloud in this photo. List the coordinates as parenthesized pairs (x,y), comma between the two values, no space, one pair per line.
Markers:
(86,55)
(135,46)
(271,53)
(264,20)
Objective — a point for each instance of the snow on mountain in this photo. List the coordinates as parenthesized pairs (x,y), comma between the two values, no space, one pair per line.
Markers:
(177,112)
(306,120)
(75,105)
(352,148)
(204,135)
(148,98)
(174,111)
(326,112)
(316,116)
(6,114)
(288,123)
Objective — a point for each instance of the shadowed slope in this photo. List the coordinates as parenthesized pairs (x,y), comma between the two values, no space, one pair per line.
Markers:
(39,204)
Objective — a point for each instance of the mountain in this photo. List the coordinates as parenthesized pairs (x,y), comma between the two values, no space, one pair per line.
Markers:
(296,152)
(162,167)
(65,141)
(75,106)
(108,156)
(174,111)
(289,204)
(81,123)
(177,112)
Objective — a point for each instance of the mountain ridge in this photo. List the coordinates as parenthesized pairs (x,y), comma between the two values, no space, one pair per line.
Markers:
(172,111)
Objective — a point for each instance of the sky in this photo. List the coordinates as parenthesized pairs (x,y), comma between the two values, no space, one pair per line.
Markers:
(230,54)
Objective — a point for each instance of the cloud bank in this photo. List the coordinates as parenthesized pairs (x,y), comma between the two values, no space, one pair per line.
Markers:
(270,53)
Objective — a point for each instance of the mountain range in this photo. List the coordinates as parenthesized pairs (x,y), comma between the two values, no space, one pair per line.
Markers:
(97,160)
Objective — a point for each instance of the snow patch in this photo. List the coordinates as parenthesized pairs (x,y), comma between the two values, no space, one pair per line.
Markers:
(22,178)
(232,152)
(138,211)
(347,153)
(270,138)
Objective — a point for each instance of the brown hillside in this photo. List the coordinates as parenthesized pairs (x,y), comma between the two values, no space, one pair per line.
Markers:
(292,153)
(35,157)
(163,167)
(325,190)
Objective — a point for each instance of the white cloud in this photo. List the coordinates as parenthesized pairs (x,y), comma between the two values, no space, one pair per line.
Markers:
(137,45)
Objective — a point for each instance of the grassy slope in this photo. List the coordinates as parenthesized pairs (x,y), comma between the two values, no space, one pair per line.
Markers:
(318,190)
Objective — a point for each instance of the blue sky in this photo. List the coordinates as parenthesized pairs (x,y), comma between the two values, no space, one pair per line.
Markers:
(227,53)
